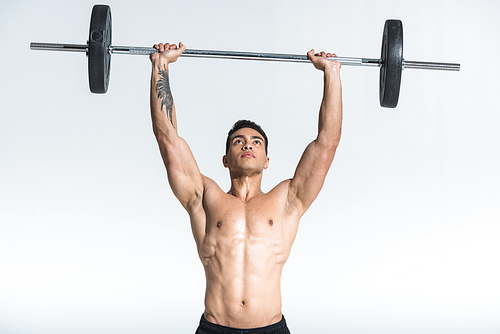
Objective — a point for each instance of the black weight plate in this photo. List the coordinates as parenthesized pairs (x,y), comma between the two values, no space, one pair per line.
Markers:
(98,51)
(392,63)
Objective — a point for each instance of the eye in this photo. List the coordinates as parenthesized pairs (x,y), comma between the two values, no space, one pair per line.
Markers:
(238,141)
(257,142)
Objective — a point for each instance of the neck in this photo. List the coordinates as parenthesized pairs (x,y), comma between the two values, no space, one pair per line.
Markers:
(246,187)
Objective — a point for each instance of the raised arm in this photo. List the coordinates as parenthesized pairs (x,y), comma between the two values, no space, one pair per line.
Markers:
(184,176)
(318,156)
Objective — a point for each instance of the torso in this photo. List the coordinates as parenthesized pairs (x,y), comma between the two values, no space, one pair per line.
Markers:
(243,246)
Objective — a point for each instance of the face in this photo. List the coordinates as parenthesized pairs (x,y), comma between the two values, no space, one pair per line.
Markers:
(247,152)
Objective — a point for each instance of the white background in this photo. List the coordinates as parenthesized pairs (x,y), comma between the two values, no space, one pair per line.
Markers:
(402,239)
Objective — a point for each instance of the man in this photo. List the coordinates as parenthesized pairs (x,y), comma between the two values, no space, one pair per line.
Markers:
(244,236)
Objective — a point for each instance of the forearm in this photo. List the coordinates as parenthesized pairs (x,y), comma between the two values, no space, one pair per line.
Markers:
(330,115)
(162,103)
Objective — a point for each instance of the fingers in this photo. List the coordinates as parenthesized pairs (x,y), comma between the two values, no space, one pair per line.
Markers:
(320,54)
(182,47)
(322,60)
(162,47)
(310,54)
(324,54)
(167,46)
(167,52)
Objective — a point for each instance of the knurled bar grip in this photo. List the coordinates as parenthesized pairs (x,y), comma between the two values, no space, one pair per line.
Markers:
(353,61)
(421,65)
(59,47)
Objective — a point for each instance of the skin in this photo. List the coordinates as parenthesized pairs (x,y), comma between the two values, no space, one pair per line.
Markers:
(244,236)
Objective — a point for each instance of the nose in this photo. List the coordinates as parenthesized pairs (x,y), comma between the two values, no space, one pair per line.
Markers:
(247,147)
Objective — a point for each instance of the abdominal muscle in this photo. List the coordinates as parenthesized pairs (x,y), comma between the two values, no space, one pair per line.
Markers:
(243,272)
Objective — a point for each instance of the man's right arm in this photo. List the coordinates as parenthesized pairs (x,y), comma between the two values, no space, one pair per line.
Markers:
(183,173)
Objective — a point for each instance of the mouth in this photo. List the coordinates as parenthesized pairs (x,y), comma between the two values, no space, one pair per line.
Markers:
(248,155)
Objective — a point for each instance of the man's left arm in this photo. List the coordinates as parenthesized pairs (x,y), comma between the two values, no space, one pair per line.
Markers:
(318,156)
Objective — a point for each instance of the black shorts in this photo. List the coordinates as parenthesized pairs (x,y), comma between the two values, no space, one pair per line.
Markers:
(207,327)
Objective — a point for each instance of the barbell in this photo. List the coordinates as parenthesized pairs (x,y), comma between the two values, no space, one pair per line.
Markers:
(99,51)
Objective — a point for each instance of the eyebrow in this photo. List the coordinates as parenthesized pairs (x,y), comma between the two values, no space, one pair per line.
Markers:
(251,137)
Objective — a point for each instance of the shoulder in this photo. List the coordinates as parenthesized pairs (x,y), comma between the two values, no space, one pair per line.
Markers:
(207,189)
(211,191)
(283,186)
(209,184)
(293,204)
(283,193)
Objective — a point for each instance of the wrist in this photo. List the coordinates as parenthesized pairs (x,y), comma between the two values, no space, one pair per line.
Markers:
(160,62)
(332,66)
(332,70)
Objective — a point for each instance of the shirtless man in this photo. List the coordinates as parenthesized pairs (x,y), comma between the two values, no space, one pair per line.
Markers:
(244,236)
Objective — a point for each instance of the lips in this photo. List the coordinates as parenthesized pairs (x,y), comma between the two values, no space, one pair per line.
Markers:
(248,155)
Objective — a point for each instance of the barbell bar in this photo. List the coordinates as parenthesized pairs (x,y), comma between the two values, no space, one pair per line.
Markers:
(99,51)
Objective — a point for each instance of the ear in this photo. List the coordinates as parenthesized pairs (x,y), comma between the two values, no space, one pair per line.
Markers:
(225,161)
(266,164)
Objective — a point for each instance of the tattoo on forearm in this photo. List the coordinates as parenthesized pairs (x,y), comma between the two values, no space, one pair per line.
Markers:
(164,94)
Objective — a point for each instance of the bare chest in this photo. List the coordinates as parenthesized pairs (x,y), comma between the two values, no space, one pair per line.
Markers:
(256,218)
(247,234)
(229,227)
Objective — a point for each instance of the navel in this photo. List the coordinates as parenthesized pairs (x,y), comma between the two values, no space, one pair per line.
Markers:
(243,303)
(270,222)
(219,224)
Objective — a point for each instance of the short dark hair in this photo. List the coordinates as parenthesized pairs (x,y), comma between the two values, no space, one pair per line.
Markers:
(243,123)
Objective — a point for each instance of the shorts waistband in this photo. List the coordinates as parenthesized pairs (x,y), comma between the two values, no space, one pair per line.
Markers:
(277,328)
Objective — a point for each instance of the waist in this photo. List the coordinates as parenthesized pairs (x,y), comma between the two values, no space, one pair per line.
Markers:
(244,305)
(276,328)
